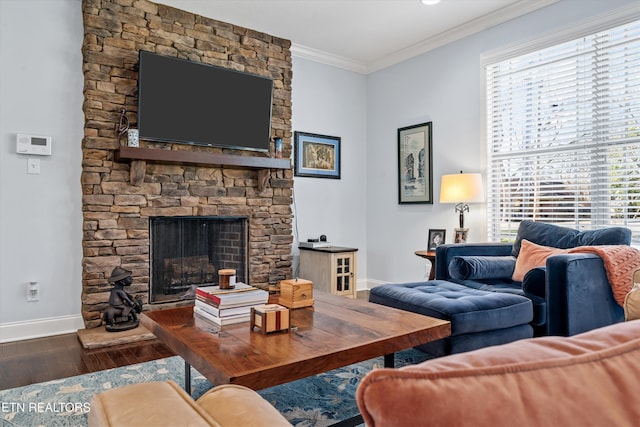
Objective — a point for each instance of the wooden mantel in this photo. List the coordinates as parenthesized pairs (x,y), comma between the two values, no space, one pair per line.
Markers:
(198,158)
(262,164)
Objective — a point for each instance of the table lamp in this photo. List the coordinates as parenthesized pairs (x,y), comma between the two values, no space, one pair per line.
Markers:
(461,189)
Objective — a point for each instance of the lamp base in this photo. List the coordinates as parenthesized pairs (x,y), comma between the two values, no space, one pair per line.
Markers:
(461,235)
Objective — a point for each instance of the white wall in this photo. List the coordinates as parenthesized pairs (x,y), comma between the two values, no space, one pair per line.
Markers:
(331,101)
(40,215)
(443,86)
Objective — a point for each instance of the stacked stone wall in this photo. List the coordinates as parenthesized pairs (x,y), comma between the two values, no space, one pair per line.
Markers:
(116,210)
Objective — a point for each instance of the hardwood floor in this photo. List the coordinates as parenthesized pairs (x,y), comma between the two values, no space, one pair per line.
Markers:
(44,359)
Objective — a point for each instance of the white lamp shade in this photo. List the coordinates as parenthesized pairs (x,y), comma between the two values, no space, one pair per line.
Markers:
(461,188)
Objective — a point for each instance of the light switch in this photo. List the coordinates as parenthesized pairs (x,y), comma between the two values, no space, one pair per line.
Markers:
(33,166)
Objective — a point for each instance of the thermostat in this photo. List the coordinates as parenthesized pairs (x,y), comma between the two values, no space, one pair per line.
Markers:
(33,144)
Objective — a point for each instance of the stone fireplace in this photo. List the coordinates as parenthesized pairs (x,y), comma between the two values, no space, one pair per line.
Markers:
(189,251)
(123,196)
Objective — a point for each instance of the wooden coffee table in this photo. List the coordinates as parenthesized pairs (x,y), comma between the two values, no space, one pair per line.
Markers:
(335,332)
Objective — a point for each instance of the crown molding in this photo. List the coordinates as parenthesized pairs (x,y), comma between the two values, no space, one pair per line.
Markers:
(327,58)
(482,23)
(477,25)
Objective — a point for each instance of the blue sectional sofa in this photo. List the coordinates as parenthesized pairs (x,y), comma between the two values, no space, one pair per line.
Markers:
(569,295)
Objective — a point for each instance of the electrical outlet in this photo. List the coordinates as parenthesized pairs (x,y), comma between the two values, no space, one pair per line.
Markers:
(33,292)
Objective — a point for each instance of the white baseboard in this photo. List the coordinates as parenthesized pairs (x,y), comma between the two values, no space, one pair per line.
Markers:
(372,283)
(18,331)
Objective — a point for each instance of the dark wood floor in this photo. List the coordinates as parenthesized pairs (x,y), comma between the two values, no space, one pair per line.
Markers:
(44,359)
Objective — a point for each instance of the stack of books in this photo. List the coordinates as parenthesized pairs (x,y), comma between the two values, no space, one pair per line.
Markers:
(228,306)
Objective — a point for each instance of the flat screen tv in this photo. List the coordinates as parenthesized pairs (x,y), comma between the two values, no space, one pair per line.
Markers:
(193,103)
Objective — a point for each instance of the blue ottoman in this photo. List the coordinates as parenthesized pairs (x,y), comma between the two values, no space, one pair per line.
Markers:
(478,318)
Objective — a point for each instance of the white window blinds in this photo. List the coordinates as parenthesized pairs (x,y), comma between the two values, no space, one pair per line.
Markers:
(563,137)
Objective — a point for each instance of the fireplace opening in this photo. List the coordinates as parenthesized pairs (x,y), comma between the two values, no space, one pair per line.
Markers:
(187,252)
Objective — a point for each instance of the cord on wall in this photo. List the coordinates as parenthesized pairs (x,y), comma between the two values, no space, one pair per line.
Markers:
(296,235)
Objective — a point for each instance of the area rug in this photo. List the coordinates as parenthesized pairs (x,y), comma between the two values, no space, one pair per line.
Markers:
(320,400)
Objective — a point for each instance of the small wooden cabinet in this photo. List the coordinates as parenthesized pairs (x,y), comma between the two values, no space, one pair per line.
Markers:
(332,269)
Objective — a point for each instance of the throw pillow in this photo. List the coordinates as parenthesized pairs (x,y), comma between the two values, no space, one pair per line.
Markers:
(481,267)
(561,237)
(532,256)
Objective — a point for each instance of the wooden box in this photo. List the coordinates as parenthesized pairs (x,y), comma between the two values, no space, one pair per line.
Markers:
(296,293)
(270,318)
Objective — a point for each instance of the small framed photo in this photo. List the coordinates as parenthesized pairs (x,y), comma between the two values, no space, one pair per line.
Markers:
(316,156)
(415,174)
(436,238)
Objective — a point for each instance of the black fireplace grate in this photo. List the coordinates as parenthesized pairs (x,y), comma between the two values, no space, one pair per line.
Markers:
(187,252)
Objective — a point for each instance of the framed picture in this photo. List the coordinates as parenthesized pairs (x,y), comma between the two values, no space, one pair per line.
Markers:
(316,155)
(435,239)
(415,174)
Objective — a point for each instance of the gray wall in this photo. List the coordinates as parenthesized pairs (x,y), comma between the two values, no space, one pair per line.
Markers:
(40,215)
(331,101)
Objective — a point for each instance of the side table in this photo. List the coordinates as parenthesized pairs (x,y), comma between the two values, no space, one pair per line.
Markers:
(431,256)
(331,269)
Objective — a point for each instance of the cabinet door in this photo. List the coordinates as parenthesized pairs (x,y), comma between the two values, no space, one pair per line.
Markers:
(344,274)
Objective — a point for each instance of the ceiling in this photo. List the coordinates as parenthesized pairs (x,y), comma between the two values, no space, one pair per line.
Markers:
(362,35)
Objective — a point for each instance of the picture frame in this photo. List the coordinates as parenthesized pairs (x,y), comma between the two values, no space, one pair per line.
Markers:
(435,238)
(316,156)
(415,164)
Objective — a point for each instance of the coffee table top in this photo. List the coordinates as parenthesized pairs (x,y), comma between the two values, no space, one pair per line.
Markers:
(335,332)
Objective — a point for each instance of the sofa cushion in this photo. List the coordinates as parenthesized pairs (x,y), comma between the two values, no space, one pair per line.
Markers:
(564,238)
(469,310)
(147,404)
(589,379)
(164,403)
(235,405)
(481,267)
(532,256)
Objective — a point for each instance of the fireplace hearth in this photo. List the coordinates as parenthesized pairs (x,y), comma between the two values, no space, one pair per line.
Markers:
(187,252)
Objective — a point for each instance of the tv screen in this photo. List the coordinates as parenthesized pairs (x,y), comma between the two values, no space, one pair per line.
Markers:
(189,102)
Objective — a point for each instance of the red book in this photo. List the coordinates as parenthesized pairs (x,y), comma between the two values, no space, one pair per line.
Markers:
(242,294)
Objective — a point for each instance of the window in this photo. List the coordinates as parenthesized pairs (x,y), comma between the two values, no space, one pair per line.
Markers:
(563,135)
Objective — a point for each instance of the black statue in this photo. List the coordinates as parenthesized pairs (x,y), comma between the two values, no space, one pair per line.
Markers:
(121,315)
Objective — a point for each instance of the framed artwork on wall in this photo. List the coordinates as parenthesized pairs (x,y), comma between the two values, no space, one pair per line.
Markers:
(415,171)
(435,238)
(316,155)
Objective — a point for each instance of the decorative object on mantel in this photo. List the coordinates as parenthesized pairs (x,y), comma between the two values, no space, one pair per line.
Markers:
(278,144)
(133,138)
(121,313)
(123,125)
(462,189)
(296,293)
(317,156)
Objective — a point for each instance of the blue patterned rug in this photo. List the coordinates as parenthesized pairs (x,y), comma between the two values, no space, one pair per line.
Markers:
(315,401)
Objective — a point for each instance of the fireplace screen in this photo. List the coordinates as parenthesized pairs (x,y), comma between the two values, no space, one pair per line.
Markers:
(187,252)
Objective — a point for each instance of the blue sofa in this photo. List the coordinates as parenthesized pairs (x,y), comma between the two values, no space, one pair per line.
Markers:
(570,295)
(473,288)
